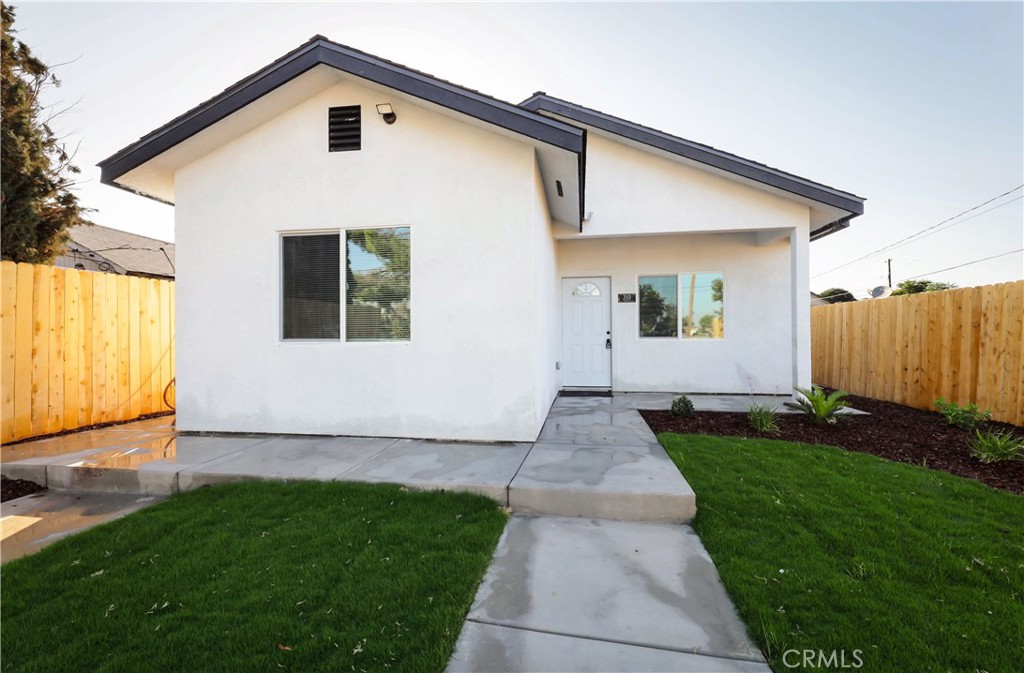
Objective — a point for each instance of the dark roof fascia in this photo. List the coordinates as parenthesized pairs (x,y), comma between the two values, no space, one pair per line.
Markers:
(319,51)
(831,228)
(699,153)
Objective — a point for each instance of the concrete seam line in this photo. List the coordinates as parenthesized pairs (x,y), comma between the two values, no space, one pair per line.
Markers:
(702,653)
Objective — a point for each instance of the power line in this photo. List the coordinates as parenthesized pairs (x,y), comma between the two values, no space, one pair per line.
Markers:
(984,259)
(934,226)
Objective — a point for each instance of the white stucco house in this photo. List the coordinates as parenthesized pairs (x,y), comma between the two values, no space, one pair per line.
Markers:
(363,249)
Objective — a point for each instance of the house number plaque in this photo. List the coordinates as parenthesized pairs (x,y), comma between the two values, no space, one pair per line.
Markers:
(627,298)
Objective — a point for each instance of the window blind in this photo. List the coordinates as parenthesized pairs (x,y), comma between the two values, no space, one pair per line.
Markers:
(311,279)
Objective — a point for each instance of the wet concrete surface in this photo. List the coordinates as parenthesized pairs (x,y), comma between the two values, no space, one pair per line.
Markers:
(34,521)
(644,595)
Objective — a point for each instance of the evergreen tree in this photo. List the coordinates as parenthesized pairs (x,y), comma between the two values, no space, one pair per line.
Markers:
(36,204)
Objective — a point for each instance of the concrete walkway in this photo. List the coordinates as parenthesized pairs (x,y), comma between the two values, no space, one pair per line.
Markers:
(595,571)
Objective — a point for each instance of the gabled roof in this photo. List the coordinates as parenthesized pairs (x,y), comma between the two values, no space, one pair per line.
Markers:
(321,51)
(136,255)
(851,204)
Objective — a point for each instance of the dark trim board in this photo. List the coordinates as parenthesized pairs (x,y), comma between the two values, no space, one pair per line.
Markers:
(541,102)
(321,51)
(585,393)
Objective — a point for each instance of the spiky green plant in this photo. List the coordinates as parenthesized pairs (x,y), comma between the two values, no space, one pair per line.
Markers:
(992,446)
(764,418)
(821,407)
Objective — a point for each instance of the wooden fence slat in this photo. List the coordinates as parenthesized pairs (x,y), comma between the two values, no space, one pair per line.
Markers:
(8,346)
(154,347)
(145,354)
(110,347)
(165,340)
(964,345)
(134,347)
(23,353)
(123,350)
(170,354)
(98,363)
(41,286)
(1013,369)
(55,320)
(72,345)
(85,408)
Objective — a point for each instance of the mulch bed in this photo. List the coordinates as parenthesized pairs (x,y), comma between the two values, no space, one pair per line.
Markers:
(892,431)
(16,488)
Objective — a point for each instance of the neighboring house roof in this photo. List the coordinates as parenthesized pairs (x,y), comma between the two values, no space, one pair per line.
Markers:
(131,254)
(321,51)
(851,205)
(817,300)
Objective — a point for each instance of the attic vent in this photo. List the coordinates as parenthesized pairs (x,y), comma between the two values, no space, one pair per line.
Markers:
(343,129)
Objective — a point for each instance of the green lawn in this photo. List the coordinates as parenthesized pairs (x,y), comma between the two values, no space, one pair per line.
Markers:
(256,576)
(826,549)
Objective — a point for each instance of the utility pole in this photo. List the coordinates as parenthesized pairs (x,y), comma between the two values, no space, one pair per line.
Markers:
(889,263)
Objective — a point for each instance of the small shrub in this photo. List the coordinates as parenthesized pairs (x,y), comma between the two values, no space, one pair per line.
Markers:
(682,407)
(820,407)
(968,418)
(764,418)
(994,446)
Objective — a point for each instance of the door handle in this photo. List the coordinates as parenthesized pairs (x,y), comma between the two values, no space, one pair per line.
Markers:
(608,342)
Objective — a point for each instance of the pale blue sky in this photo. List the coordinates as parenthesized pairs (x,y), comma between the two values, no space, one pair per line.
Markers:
(917,107)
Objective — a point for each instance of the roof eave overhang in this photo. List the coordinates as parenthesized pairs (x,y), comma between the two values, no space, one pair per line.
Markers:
(806,189)
(322,51)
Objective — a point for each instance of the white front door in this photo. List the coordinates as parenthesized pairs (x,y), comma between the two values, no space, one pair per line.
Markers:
(586,332)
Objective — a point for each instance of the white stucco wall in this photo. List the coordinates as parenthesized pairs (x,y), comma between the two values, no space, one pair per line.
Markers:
(640,202)
(481,265)
(634,191)
(547,288)
(755,356)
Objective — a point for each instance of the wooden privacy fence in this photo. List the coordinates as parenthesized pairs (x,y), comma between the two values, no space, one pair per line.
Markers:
(81,347)
(963,345)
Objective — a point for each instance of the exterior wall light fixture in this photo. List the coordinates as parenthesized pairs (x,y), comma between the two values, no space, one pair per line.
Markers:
(387,113)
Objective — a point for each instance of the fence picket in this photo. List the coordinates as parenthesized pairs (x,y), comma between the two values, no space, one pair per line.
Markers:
(81,348)
(965,345)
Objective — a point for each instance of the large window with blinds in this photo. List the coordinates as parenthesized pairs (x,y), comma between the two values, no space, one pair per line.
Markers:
(311,282)
(376,291)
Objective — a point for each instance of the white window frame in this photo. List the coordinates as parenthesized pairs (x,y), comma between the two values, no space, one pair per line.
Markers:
(678,275)
(343,251)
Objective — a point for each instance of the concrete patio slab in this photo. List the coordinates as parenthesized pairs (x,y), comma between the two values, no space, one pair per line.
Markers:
(595,426)
(88,440)
(486,469)
(148,467)
(631,483)
(642,584)
(486,648)
(56,514)
(314,458)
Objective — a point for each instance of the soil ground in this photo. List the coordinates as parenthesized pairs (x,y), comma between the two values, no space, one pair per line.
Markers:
(15,488)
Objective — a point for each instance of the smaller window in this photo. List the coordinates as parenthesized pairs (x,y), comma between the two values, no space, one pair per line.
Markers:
(586,290)
(659,316)
(343,129)
(703,298)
